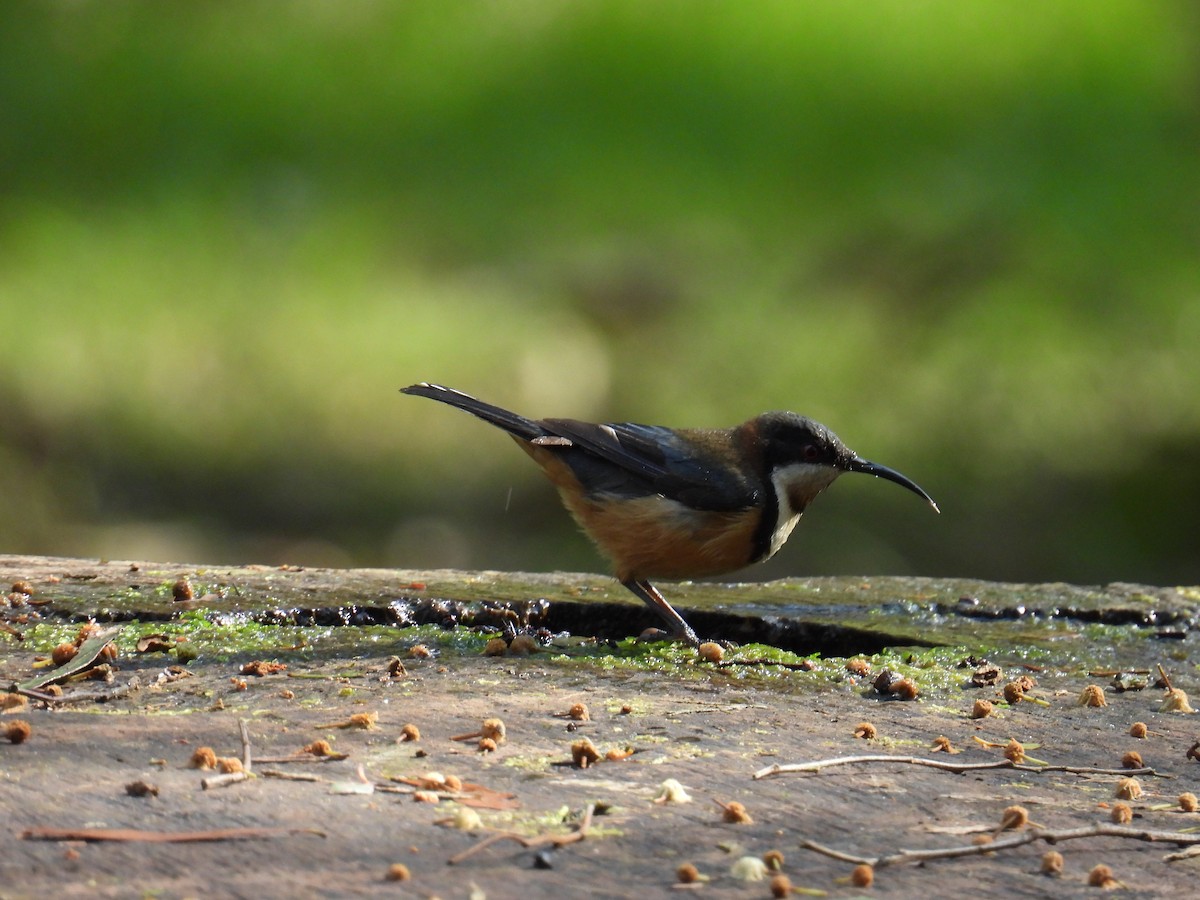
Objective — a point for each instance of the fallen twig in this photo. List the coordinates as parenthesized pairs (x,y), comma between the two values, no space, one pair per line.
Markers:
(245,734)
(289,776)
(40,696)
(763,661)
(476,796)
(541,840)
(223,780)
(101,696)
(817,765)
(159,837)
(1018,840)
(1163,677)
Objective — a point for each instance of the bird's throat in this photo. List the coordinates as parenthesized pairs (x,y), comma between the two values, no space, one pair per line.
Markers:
(795,485)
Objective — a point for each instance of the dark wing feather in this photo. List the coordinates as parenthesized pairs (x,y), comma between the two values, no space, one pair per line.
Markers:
(629,459)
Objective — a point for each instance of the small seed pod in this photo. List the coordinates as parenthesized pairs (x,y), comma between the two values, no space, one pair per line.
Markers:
(749,868)
(579,712)
(181,590)
(584,753)
(774,860)
(466,819)
(1129,789)
(17,731)
(1093,695)
(865,730)
(1176,701)
(905,689)
(781,886)
(1138,730)
(1188,802)
(735,813)
(1014,693)
(494,729)
(942,744)
(524,645)
(1052,863)
(1014,751)
(858,666)
(203,758)
(487,745)
(64,653)
(1014,817)
(410,732)
(1132,760)
(229,765)
(711,652)
(863,876)
(1102,877)
(398,872)
(671,791)
(982,709)
(1121,814)
(687,874)
(495,647)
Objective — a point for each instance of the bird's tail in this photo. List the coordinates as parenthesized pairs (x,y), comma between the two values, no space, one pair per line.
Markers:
(515,425)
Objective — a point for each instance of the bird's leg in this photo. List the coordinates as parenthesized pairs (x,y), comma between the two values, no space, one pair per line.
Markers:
(649,595)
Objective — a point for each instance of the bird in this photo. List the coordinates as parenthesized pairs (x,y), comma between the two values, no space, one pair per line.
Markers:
(679,504)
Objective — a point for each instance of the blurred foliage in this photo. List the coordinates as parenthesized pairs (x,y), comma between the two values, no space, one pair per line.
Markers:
(962,235)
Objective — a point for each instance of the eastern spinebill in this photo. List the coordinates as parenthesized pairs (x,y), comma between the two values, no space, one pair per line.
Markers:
(680,503)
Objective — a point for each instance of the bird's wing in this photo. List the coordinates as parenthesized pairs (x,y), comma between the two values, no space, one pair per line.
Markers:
(635,460)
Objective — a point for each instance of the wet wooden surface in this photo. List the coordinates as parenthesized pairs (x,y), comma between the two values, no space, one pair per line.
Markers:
(708,727)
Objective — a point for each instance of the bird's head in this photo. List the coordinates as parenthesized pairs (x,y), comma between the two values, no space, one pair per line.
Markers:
(803,457)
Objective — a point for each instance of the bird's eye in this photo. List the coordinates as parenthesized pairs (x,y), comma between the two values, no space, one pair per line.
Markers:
(811,452)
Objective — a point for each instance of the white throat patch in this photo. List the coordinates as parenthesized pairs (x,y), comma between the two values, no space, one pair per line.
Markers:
(802,481)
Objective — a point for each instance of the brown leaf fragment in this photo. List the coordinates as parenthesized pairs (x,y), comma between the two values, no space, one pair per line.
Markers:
(155,643)
(260,668)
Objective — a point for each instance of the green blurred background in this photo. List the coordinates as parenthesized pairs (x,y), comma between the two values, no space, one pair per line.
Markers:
(966,236)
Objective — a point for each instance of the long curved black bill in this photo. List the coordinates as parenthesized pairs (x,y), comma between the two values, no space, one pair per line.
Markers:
(858,464)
